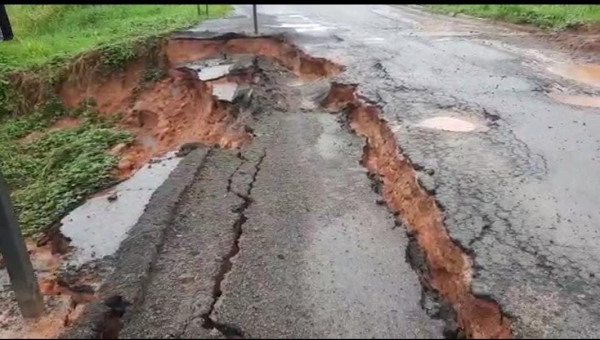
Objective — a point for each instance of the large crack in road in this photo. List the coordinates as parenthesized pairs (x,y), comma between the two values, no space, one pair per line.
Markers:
(246,196)
(448,265)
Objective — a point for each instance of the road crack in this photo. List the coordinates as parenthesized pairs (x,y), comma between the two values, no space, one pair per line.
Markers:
(230,331)
(445,266)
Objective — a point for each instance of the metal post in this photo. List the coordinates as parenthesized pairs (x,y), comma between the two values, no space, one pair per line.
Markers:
(16,258)
(255,20)
(5,27)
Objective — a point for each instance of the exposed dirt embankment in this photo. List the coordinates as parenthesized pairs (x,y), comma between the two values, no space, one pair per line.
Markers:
(275,47)
(449,268)
(176,110)
(163,105)
(179,108)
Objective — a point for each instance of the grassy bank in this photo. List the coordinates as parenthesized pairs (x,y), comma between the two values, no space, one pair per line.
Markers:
(43,32)
(48,169)
(545,16)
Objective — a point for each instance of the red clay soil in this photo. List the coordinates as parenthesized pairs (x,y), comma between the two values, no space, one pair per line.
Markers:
(180,108)
(111,92)
(177,110)
(173,111)
(62,303)
(185,50)
(339,96)
(449,267)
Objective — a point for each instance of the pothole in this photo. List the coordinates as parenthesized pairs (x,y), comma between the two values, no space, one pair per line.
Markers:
(584,73)
(447,123)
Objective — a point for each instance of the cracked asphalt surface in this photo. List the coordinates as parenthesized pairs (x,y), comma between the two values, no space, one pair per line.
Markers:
(318,258)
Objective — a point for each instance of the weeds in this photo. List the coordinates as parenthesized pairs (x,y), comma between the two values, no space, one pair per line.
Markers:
(152,74)
(50,173)
(116,56)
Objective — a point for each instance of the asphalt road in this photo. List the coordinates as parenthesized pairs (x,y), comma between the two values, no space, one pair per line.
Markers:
(318,258)
(314,255)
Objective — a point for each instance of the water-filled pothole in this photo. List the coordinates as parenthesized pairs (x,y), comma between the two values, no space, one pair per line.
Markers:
(584,73)
(447,123)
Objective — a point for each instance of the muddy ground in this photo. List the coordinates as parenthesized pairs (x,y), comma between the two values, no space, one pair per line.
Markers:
(378,172)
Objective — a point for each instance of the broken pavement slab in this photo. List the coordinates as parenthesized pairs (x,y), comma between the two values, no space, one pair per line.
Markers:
(215,68)
(231,92)
(214,72)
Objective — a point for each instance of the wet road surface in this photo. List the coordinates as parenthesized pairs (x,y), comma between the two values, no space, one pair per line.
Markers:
(514,170)
(284,239)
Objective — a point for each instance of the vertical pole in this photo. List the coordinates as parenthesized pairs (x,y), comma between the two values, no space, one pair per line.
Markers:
(198,8)
(5,27)
(206,7)
(16,258)
(255,19)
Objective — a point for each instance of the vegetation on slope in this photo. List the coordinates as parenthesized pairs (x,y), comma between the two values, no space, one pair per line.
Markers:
(50,170)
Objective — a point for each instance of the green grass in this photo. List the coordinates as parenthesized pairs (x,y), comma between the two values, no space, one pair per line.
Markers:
(545,16)
(44,32)
(51,174)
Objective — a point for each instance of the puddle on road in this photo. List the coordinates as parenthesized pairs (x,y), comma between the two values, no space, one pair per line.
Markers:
(446,123)
(584,73)
(575,99)
(97,227)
